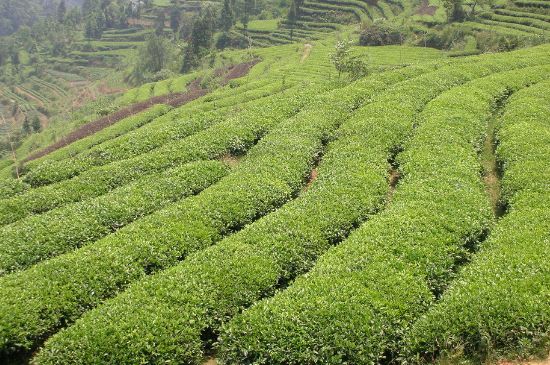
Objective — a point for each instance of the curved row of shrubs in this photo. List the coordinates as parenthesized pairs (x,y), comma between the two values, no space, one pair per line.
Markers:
(535,23)
(214,284)
(499,305)
(175,125)
(124,126)
(170,314)
(37,301)
(11,187)
(234,136)
(40,237)
(524,14)
(361,297)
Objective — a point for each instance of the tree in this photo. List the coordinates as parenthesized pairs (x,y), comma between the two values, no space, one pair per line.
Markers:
(227,16)
(154,56)
(61,11)
(475,3)
(186,26)
(35,124)
(345,62)
(454,10)
(159,23)
(175,17)
(292,17)
(27,129)
(201,39)
(74,17)
(95,23)
(247,10)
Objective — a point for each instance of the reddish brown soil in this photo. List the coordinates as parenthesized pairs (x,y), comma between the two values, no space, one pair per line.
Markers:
(312,178)
(393,180)
(177,99)
(426,9)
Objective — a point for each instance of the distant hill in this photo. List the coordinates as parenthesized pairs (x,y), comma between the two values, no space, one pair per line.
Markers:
(15,13)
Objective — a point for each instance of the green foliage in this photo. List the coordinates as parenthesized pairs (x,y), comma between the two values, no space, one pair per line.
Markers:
(14,14)
(12,187)
(263,254)
(381,33)
(454,10)
(75,225)
(110,133)
(97,271)
(159,23)
(61,11)
(201,39)
(163,130)
(26,128)
(498,306)
(345,62)
(155,55)
(36,125)
(227,18)
(175,18)
(356,303)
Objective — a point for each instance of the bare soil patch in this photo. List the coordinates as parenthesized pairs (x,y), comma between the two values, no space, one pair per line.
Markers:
(306,53)
(393,180)
(314,174)
(426,9)
(231,160)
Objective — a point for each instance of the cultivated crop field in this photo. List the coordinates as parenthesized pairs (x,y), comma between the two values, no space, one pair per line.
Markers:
(289,217)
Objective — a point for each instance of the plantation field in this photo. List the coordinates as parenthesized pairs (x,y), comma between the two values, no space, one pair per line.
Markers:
(283,210)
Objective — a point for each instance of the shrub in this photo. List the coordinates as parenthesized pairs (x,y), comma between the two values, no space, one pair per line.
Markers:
(381,33)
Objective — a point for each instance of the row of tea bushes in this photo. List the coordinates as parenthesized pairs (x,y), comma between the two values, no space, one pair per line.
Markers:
(499,305)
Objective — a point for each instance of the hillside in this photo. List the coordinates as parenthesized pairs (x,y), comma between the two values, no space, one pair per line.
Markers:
(314,182)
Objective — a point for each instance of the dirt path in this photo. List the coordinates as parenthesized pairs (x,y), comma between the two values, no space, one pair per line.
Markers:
(426,9)
(313,175)
(393,180)
(194,91)
(306,52)
(491,173)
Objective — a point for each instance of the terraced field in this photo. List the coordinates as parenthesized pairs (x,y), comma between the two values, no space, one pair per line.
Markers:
(521,19)
(292,217)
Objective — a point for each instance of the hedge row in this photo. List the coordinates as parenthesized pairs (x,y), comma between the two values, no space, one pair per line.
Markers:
(532,4)
(498,307)
(237,271)
(11,187)
(523,14)
(518,20)
(119,128)
(37,301)
(522,28)
(40,237)
(179,306)
(175,125)
(356,303)
(235,135)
